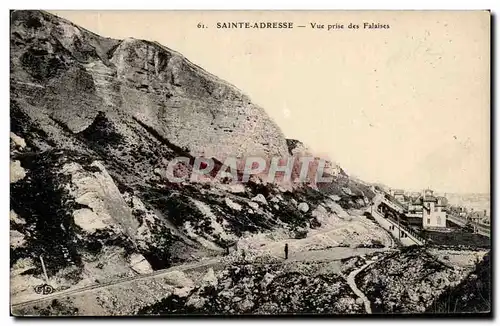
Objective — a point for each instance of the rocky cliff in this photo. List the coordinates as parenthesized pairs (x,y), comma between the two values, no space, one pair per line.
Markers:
(95,122)
(71,75)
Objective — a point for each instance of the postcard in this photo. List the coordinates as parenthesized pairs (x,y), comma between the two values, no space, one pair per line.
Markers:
(227,163)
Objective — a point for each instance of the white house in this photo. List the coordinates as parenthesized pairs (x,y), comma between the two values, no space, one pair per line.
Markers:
(429,208)
(434,210)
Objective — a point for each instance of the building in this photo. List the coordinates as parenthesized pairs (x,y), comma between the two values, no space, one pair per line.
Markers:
(415,208)
(429,209)
(434,210)
(478,217)
(415,194)
(398,194)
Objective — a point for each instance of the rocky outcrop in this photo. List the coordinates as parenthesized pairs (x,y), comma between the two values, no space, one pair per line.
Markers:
(473,294)
(264,289)
(69,210)
(96,191)
(407,281)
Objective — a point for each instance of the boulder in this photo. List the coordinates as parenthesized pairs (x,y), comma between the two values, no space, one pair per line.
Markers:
(335,197)
(16,239)
(16,171)
(139,264)
(254,205)
(232,204)
(209,279)
(275,199)
(18,141)
(260,199)
(303,207)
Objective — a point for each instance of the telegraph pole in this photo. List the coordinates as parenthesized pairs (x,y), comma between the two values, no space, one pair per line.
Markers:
(399,229)
(44,270)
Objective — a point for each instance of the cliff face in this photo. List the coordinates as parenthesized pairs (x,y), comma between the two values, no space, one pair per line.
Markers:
(94,124)
(71,74)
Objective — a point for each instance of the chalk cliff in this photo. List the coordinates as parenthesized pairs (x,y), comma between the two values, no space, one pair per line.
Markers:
(94,123)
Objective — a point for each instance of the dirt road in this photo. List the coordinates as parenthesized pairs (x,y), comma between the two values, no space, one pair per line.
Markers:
(351,280)
(186,267)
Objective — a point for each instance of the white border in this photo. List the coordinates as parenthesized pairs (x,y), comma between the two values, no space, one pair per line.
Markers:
(257,4)
(494,5)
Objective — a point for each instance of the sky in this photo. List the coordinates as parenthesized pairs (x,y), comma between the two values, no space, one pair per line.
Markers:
(406,106)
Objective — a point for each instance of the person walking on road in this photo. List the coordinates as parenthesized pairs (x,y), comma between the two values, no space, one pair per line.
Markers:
(286,250)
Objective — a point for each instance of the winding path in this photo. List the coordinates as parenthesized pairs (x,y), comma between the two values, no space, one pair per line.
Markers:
(351,280)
